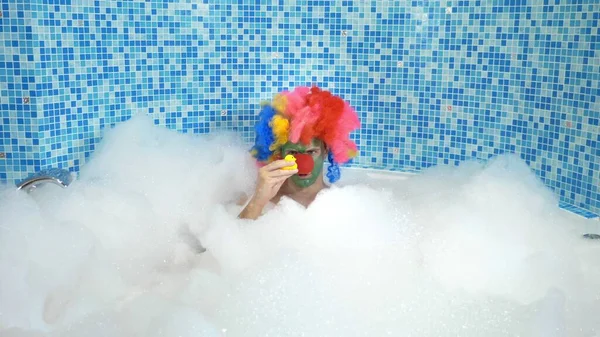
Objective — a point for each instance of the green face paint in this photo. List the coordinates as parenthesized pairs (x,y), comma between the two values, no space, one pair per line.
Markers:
(315,150)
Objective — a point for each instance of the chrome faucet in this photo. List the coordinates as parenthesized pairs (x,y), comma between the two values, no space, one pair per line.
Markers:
(60,177)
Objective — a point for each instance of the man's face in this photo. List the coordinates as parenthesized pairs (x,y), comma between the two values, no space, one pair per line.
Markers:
(315,150)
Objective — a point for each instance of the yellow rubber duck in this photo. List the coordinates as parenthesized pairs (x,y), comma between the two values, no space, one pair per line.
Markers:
(290,157)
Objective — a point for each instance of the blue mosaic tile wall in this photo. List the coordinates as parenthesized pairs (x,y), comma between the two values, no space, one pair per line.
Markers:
(19,143)
(435,82)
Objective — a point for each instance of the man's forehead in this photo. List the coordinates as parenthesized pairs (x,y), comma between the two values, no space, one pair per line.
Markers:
(315,143)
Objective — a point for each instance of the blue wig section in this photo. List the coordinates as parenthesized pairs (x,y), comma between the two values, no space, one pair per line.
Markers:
(264,134)
(333,172)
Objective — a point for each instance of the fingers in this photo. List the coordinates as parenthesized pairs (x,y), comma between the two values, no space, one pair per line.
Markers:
(280,179)
(268,187)
(275,181)
(274,170)
(282,173)
(278,164)
(276,177)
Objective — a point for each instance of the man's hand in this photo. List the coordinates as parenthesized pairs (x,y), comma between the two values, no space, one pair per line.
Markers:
(270,179)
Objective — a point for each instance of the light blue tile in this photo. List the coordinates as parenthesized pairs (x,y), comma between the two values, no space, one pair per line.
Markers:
(434,82)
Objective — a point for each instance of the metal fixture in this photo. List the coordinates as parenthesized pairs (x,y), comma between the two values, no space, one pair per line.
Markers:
(60,177)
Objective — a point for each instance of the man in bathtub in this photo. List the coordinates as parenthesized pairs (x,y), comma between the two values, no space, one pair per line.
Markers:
(311,124)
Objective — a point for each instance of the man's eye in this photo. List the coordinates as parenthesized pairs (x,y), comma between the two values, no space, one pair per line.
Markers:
(311,151)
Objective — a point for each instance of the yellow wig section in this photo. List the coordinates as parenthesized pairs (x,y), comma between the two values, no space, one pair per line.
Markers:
(281,129)
(279,103)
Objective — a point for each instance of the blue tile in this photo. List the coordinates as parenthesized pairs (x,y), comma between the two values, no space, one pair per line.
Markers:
(433,85)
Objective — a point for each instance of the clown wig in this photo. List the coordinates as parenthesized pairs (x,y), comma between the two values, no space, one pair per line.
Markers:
(301,115)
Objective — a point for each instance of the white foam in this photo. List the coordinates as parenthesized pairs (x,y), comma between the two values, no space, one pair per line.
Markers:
(471,251)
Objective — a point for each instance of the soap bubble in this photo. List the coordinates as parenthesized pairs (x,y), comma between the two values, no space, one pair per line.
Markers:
(147,242)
